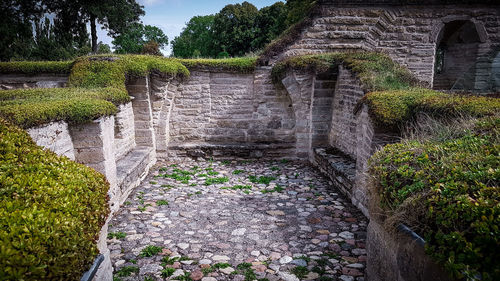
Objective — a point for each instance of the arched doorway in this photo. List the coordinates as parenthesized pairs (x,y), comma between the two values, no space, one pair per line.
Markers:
(456,52)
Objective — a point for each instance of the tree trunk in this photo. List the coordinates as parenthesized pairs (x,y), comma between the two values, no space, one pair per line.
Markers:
(93,32)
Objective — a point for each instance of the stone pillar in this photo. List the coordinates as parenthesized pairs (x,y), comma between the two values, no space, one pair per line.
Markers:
(138,89)
(94,147)
(300,88)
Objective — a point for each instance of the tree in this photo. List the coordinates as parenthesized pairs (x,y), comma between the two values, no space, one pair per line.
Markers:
(103,48)
(298,10)
(234,28)
(133,39)
(270,24)
(114,15)
(16,30)
(196,39)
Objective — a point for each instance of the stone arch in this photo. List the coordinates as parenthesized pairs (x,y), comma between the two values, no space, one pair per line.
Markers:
(457,44)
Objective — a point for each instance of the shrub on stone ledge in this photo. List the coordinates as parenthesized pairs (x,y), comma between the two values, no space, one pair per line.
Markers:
(393,109)
(446,188)
(51,211)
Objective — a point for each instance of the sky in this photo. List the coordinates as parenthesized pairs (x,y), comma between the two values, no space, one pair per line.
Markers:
(172,15)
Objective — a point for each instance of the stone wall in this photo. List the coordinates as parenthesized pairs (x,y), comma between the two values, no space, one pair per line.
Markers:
(217,113)
(23,81)
(397,256)
(55,137)
(409,34)
(124,131)
(343,128)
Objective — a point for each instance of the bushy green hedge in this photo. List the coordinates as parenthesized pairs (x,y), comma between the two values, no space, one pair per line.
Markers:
(51,211)
(393,109)
(448,191)
(34,67)
(32,107)
(106,71)
(377,72)
(244,65)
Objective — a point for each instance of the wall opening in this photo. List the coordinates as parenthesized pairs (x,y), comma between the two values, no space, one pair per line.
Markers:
(456,53)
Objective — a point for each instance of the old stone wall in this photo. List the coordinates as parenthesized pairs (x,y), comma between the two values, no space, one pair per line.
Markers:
(55,137)
(343,128)
(409,34)
(124,131)
(397,256)
(23,81)
(217,111)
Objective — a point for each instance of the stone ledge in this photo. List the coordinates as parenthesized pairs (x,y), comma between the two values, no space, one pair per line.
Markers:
(337,166)
(222,151)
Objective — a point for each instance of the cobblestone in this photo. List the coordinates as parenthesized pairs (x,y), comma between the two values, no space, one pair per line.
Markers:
(249,220)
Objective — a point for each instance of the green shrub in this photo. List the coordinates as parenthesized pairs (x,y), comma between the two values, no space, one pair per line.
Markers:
(106,71)
(51,211)
(244,64)
(447,190)
(31,107)
(393,109)
(35,67)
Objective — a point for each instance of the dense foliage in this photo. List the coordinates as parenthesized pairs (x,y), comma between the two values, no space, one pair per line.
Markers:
(446,188)
(196,39)
(33,67)
(238,29)
(137,36)
(31,107)
(243,64)
(28,34)
(51,211)
(395,108)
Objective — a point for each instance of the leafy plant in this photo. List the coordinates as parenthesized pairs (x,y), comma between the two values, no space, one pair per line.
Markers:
(167,272)
(44,197)
(126,271)
(117,235)
(219,180)
(150,251)
(261,180)
(161,202)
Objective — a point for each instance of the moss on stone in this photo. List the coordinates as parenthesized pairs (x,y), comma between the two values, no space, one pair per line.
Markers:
(243,64)
(376,72)
(32,107)
(393,109)
(36,67)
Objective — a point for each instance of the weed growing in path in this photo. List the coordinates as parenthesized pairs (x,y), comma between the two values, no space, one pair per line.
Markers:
(218,180)
(261,180)
(117,235)
(150,251)
(161,202)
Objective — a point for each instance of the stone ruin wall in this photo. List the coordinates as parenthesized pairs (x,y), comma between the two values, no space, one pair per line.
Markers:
(407,34)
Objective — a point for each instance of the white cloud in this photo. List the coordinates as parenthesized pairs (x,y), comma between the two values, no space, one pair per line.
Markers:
(150,2)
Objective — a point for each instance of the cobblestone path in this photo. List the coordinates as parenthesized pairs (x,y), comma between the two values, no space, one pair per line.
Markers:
(250,220)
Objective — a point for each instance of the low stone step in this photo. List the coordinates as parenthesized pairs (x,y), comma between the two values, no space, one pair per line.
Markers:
(339,167)
(133,167)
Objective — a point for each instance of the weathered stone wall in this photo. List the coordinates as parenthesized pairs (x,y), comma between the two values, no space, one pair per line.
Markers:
(124,131)
(55,137)
(396,256)
(343,128)
(23,81)
(409,34)
(213,110)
